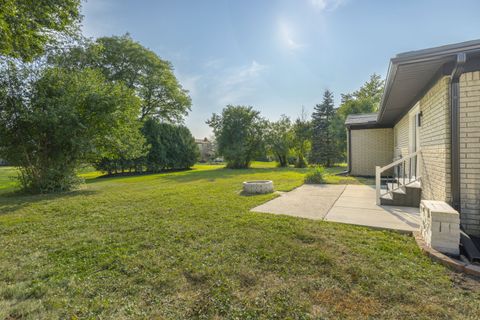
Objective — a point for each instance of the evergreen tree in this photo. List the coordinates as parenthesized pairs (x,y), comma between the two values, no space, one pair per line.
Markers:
(364,100)
(323,145)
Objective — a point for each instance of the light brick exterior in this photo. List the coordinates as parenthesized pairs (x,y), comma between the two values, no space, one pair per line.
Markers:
(370,148)
(378,147)
(401,133)
(470,152)
(435,145)
(435,142)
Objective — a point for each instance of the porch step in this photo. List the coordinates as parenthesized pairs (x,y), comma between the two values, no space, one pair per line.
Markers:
(409,195)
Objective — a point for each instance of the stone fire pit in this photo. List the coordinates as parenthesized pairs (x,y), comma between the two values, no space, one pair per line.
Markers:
(258,186)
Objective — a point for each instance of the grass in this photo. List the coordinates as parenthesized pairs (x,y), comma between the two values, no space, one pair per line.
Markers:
(7,179)
(184,245)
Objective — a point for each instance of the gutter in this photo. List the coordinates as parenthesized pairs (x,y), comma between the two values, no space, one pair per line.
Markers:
(349,139)
(458,69)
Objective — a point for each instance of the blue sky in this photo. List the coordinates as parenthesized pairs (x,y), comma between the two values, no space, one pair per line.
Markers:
(279,55)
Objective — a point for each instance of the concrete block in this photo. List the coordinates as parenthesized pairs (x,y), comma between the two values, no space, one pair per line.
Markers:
(440,226)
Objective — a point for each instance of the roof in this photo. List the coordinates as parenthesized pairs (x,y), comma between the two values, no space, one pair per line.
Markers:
(411,73)
(203,141)
(361,119)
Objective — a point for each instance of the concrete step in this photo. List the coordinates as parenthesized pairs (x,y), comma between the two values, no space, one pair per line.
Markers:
(387,200)
(409,195)
(414,184)
(395,186)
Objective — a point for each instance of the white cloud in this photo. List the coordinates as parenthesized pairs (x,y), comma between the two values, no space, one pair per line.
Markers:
(326,5)
(237,83)
(288,36)
(214,63)
(218,86)
(243,74)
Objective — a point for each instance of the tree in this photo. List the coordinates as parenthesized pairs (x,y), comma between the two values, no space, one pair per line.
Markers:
(372,89)
(364,100)
(172,146)
(52,120)
(27,26)
(302,133)
(323,148)
(123,59)
(239,132)
(279,139)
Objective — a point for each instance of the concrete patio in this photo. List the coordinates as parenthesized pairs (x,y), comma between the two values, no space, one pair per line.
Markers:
(351,204)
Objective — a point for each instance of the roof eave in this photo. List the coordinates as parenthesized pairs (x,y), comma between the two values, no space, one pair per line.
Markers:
(438,53)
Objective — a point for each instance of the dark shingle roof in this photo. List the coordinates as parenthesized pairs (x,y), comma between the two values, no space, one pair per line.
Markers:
(361,119)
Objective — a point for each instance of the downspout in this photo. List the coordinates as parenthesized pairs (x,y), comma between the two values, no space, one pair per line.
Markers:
(455,128)
(349,155)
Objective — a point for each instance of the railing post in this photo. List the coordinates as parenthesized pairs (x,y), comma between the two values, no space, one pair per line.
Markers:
(377,183)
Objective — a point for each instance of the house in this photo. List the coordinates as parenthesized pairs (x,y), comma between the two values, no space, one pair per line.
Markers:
(425,138)
(206,149)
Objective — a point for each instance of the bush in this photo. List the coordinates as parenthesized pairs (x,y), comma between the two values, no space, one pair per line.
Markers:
(317,176)
(54,119)
(169,147)
(300,162)
(172,146)
(239,134)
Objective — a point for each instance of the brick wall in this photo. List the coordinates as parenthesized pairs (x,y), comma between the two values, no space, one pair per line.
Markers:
(401,133)
(435,142)
(470,152)
(370,148)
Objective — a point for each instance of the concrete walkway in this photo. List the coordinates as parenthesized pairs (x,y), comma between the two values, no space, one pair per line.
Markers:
(352,204)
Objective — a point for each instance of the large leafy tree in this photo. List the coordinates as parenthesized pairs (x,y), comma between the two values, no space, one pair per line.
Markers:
(279,139)
(323,147)
(364,100)
(239,133)
(53,120)
(121,59)
(27,26)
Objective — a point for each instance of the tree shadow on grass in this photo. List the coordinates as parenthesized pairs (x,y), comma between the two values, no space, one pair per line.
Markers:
(126,175)
(191,175)
(225,173)
(15,200)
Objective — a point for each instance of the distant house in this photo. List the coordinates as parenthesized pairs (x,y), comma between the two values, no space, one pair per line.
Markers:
(206,149)
(426,134)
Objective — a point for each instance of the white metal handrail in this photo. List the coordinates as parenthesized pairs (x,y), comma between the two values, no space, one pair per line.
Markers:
(398,163)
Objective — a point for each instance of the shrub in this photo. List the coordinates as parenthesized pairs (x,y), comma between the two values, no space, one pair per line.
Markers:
(172,146)
(300,162)
(54,119)
(279,140)
(317,176)
(168,147)
(239,134)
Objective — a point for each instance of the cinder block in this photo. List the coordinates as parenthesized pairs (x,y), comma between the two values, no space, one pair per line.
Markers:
(440,226)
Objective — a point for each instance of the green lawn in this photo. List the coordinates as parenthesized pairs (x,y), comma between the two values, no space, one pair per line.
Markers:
(185,246)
